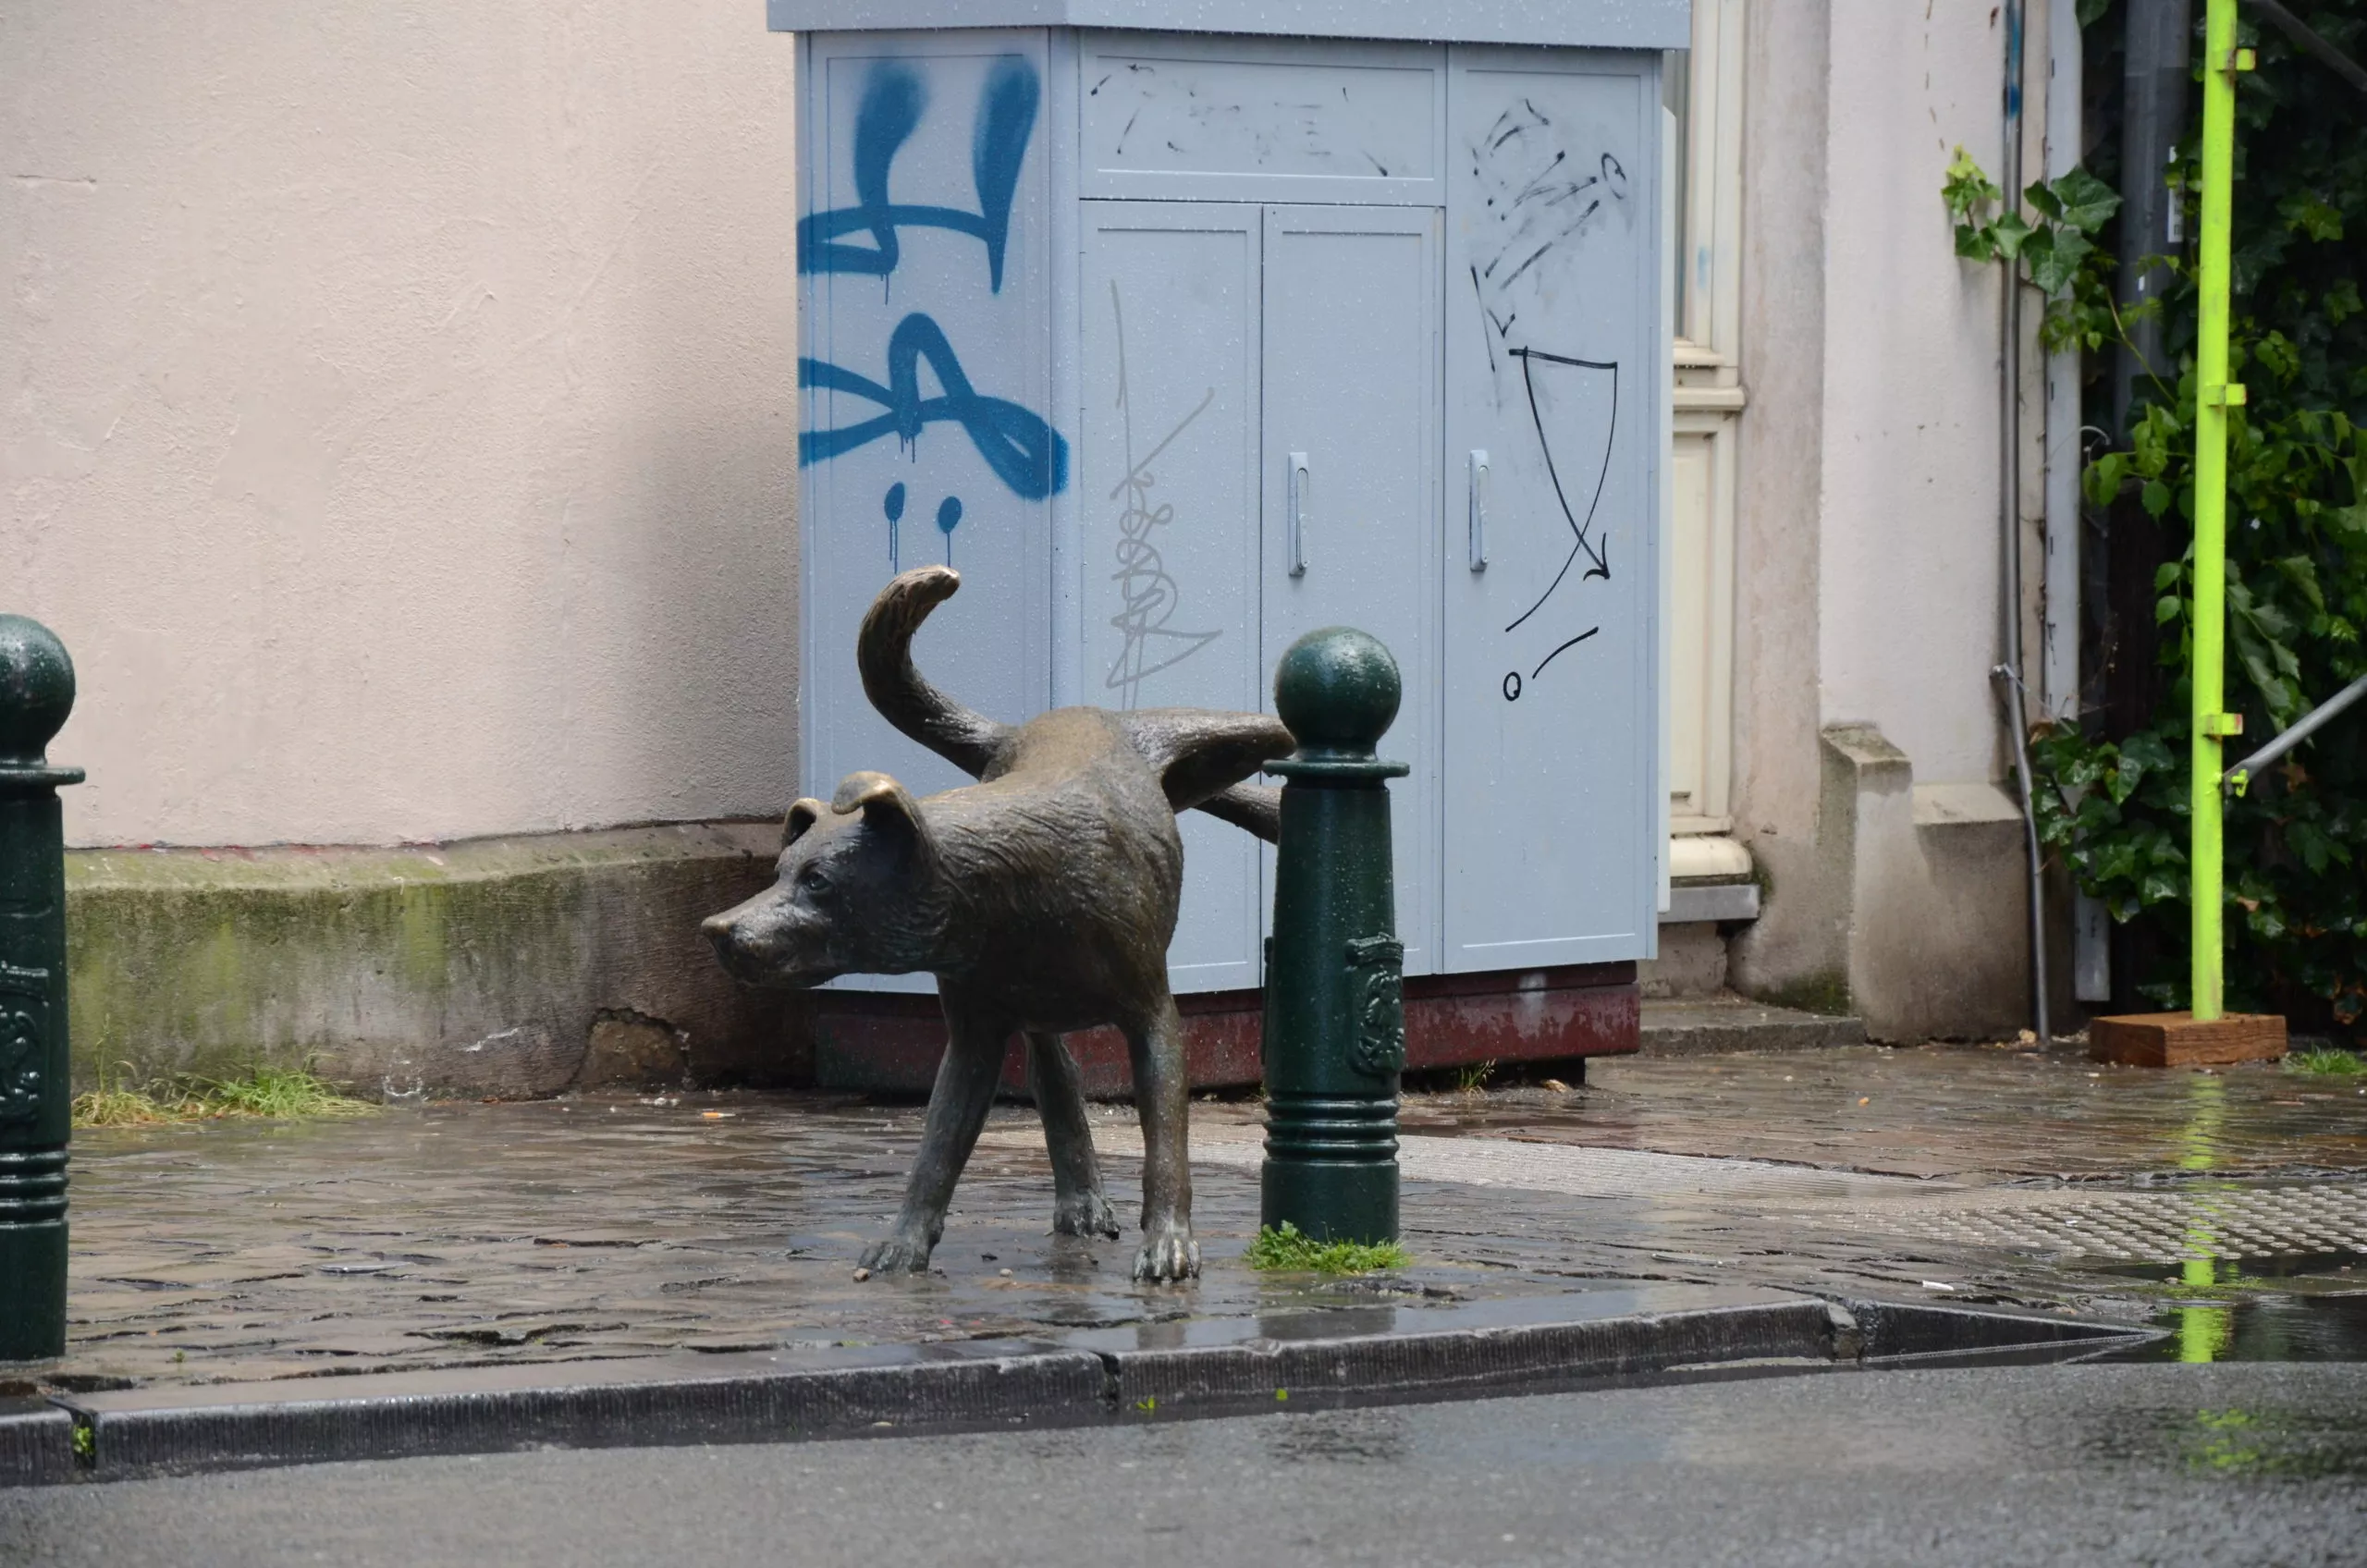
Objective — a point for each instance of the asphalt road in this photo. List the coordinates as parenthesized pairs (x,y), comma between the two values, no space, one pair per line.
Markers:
(2259,1465)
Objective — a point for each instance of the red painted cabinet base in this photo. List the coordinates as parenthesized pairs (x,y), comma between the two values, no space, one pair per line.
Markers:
(877,1041)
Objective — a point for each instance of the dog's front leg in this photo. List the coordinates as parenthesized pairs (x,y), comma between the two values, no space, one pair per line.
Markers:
(957,1109)
(1163,1099)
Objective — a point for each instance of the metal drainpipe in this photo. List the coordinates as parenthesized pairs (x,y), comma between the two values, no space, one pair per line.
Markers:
(2009,510)
(2158,45)
(2059,672)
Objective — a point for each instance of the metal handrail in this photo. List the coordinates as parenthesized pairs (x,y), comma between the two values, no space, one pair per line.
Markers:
(2236,777)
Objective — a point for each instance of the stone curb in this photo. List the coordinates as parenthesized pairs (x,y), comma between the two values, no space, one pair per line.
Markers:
(1472,1360)
(1092,1376)
(36,1447)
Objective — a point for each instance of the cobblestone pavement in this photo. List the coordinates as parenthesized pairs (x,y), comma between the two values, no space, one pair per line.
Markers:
(474,1235)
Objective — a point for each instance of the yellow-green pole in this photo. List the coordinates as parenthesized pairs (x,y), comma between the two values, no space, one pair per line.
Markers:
(2213,396)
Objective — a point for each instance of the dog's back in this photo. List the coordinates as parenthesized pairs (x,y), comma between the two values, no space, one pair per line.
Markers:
(1066,860)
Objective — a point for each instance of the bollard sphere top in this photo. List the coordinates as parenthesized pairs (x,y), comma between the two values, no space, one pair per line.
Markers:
(1337,690)
(36,690)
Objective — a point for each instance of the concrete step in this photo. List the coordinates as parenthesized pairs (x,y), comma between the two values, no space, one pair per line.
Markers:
(1700,1025)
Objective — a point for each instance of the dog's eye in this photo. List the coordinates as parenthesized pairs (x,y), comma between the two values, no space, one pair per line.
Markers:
(814,879)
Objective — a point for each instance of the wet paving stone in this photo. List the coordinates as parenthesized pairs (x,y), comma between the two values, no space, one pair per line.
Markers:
(469,1234)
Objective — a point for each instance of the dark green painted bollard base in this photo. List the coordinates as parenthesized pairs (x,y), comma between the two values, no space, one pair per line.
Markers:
(1329,1201)
(1330,1166)
(32,1253)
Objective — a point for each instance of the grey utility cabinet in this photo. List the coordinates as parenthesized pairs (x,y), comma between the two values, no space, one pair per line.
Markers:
(1180,344)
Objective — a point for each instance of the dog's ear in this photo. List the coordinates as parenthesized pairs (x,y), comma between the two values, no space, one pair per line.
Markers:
(802,815)
(887,809)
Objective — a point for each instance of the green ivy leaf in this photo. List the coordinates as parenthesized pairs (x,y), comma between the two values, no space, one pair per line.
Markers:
(2303,572)
(2010,233)
(2156,496)
(2307,212)
(2147,749)
(2056,257)
(2101,483)
(2087,204)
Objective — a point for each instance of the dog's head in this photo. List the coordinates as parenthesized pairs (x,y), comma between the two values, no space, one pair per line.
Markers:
(860,891)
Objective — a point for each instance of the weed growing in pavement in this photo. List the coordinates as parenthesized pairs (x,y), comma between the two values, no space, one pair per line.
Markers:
(1472,1078)
(1293,1249)
(276,1092)
(2325,1061)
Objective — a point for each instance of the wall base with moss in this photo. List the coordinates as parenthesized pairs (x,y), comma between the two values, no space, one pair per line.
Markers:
(512,967)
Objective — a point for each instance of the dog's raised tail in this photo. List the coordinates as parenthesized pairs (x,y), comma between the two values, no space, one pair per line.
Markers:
(883,651)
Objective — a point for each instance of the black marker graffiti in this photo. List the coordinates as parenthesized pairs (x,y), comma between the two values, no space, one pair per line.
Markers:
(1596,554)
(1538,201)
(1146,590)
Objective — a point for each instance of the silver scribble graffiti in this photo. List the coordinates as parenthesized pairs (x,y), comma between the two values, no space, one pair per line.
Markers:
(1146,592)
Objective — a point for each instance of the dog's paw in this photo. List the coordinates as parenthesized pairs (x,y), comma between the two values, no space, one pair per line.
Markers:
(1086,1214)
(1169,1255)
(896,1254)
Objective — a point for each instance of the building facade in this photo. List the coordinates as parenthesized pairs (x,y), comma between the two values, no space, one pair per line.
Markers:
(402,438)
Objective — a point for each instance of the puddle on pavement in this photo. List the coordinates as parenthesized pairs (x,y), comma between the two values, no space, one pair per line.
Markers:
(2287,1307)
(2235,1441)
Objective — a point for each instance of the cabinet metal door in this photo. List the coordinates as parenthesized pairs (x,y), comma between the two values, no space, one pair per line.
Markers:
(1351,300)
(1167,516)
(1555,367)
(928,426)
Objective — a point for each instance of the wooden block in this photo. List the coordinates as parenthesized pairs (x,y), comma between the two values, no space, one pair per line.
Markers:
(2176,1039)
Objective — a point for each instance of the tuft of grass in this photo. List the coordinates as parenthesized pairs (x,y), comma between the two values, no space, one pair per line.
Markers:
(1293,1249)
(119,1108)
(2325,1061)
(279,1093)
(273,1093)
(1472,1078)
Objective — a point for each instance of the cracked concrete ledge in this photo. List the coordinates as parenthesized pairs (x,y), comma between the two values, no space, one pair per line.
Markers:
(516,967)
(1153,1371)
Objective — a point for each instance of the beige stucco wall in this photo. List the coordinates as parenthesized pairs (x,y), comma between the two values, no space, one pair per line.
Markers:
(1868,555)
(1910,542)
(398,410)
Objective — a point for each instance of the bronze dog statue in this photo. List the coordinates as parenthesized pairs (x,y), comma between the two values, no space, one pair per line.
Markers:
(1042,897)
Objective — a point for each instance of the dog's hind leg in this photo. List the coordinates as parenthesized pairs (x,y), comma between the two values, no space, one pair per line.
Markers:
(1079,1207)
(957,1109)
(1162,1097)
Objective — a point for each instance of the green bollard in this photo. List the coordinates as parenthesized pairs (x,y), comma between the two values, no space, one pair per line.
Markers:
(36,1096)
(1335,1005)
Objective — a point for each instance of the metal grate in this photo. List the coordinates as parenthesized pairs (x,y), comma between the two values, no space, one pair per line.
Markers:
(2147,1227)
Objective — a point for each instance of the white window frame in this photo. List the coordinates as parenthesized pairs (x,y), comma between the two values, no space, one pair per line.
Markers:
(1706,406)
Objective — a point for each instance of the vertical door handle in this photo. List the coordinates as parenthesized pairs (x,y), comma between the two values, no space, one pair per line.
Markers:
(1478,518)
(1297,543)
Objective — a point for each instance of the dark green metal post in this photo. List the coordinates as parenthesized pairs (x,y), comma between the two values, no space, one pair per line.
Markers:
(36,693)
(1335,1007)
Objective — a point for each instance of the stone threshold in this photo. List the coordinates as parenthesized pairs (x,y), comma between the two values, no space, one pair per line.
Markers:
(1706,1025)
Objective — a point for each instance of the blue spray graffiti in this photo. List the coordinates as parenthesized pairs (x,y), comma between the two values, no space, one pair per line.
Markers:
(894,507)
(894,99)
(1026,453)
(949,518)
